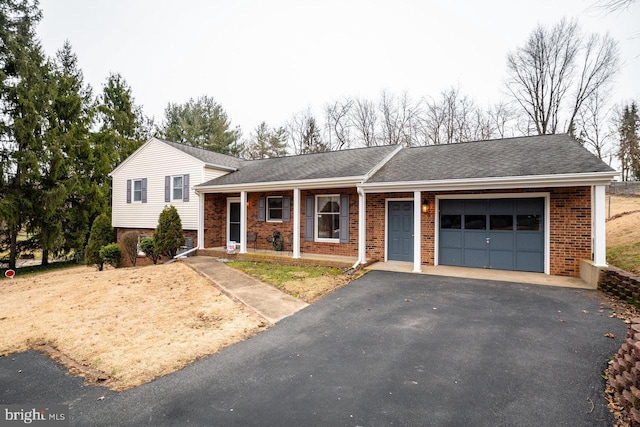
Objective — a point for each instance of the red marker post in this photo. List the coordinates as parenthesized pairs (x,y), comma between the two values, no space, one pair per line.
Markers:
(10,274)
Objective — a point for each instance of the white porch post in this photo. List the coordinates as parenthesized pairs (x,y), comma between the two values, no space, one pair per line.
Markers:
(243,222)
(362,226)
(417,234)
(599,233)
(200,242)
(296,223)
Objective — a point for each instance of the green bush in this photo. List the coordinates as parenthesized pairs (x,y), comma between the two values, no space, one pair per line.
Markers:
(148,247)
(111,254)
(129,246)
(101,234)
(168,236)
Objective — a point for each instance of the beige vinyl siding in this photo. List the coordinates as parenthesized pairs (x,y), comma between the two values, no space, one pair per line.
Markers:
(154,161)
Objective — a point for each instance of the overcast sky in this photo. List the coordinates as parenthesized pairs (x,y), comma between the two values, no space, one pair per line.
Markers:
(266,60)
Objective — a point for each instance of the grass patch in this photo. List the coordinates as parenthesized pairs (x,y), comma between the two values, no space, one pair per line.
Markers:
(625,257)
(34,269)
(306,283)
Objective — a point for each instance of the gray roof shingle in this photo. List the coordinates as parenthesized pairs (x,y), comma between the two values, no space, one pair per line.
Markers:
(333,164)
(524,156)
(209,157)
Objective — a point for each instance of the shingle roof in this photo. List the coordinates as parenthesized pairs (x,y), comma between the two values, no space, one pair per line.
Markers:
(209,157)
(334,164)
(525,156)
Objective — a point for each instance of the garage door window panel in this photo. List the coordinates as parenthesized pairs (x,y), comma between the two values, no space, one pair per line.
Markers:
(475,222)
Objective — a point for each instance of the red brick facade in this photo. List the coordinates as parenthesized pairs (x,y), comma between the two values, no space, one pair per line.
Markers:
(569,228)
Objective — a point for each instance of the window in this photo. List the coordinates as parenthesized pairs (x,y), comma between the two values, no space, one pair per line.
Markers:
(176,187)
(328,218)
(274,209)
(137,190)
(529,222)
(451,222)
(475,222)
(501,222)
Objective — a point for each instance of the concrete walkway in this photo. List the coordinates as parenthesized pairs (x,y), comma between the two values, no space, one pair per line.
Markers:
(267,301)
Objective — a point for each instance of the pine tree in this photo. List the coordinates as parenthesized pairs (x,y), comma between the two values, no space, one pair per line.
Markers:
(311,139)
(24,96)
(266,143)
(202,123)
(629,148)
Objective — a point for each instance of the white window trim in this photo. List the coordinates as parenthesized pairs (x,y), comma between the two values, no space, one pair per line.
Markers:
(267,218)
(316,222)
(173,199)
(133,190)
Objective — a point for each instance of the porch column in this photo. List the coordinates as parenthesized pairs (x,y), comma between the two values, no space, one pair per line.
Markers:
(296,223)
(598,221)
(417,221)
(200,242)
(243,222)
(362,227)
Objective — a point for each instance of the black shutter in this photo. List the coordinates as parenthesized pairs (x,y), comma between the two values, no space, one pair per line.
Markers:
(128,191)
(309,213)
(261,209)
(344,219)
(286,209)
(185,188)
(143,188)
(167,188)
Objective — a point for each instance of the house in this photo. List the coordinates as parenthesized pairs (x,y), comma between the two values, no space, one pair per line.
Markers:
(526,204)
(162,173)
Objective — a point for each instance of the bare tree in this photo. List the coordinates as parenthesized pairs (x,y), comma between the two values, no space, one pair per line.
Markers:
(338,124)
(592,127)
(363,118)
(502,118)
(559,69)
(397,114)
(304,134)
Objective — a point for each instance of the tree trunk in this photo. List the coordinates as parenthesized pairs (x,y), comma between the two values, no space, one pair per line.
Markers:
(45,257)
(13,248)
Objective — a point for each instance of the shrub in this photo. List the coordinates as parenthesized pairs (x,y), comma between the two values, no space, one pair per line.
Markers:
(129,246)
(111,254)
(168,236)
(101,234)
(148,247)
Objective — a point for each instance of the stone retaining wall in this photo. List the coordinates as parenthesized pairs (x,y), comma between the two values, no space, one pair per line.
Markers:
(624,373)
(621,284)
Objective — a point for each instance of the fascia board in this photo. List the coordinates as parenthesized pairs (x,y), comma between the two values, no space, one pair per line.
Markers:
(283,185)
(564,180)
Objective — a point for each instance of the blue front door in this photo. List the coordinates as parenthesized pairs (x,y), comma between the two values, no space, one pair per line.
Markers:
(400,231)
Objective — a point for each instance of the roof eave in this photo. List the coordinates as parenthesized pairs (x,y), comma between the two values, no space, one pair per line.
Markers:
(530,181)
(351,181)
(220,167)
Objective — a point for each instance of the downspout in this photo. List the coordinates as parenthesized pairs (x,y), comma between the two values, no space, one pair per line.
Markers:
(362,219)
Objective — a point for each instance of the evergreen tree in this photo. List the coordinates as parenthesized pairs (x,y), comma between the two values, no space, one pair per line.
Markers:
(168,235)
(202,123)
(24,96)
(266,143)
(311,140)
(101,235)
(629,148)
(123,127)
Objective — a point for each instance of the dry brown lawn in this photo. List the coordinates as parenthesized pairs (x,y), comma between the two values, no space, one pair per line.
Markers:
(130,324)
(624,230)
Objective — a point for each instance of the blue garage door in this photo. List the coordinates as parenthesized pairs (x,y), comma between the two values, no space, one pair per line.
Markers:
(505,234)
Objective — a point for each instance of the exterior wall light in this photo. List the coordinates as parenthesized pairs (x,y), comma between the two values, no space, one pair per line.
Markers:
(425,205)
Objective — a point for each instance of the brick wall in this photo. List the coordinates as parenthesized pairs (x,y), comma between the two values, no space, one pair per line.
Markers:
(621,284)
(570,224)
(143,260)
(624,374)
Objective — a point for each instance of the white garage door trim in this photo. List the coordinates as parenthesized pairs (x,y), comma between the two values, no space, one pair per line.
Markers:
(547,217)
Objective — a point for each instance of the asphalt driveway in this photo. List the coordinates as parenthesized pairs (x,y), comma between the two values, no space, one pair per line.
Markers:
(388,349)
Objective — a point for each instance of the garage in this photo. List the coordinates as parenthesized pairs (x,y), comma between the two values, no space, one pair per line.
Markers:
(503,234)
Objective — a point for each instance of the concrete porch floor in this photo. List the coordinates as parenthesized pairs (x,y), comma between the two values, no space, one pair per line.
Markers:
(407,267)
(485,273)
